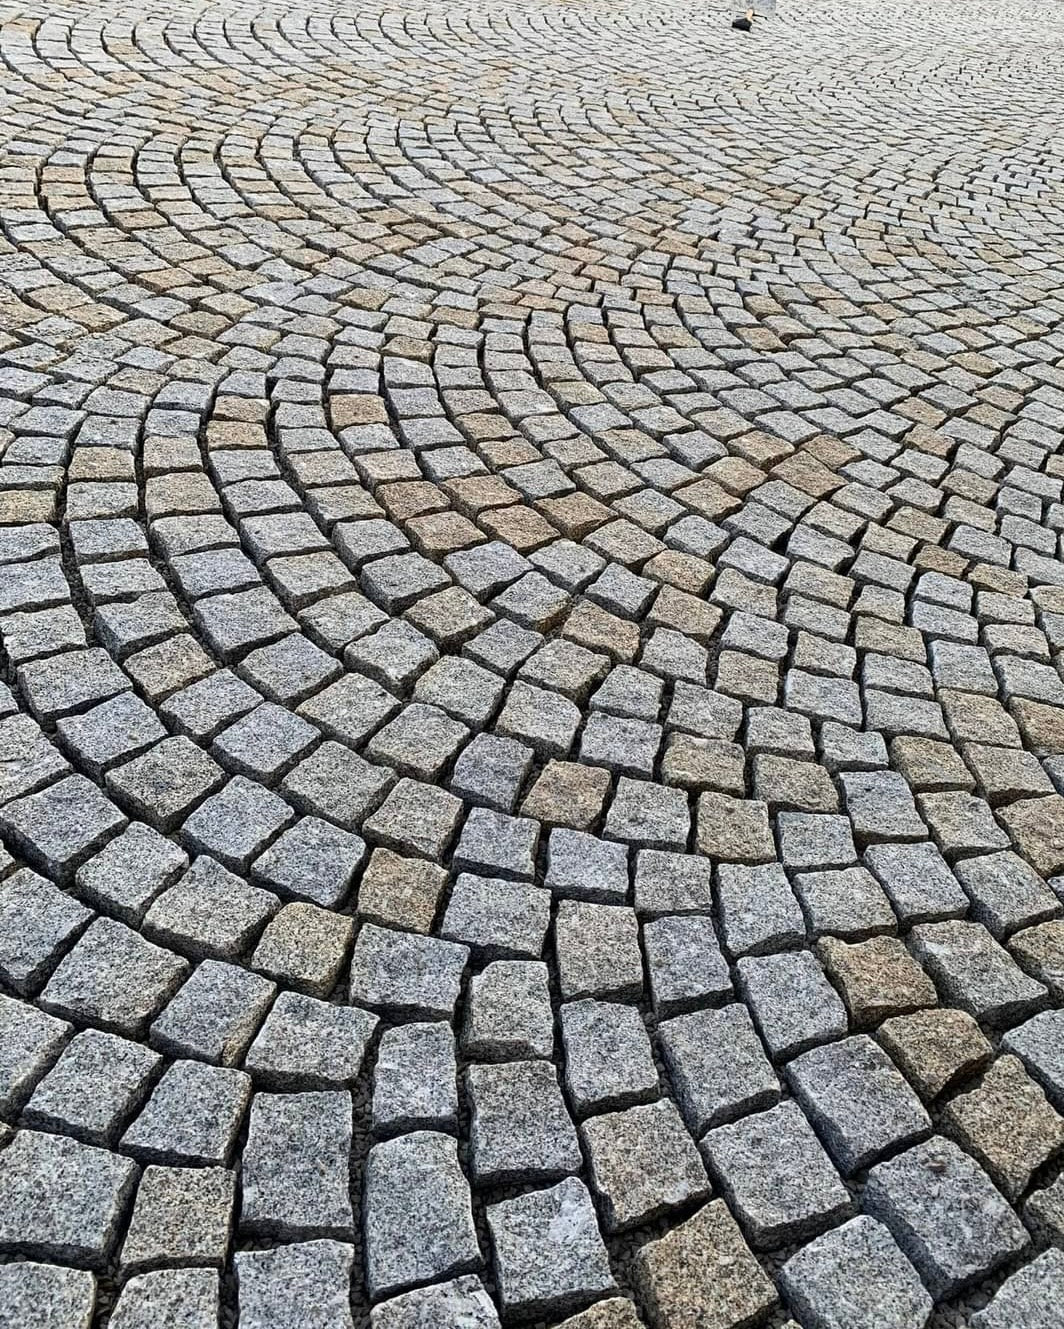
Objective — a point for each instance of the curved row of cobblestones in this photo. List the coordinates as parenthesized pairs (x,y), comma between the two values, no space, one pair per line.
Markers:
(532,622)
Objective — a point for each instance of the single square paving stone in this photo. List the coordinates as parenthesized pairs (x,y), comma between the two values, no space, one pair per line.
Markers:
(114,978)
(1006,893)
(585,867)
(289,671)
(717,1066)
(509,1016)
(94,1088)
(417,1216)
(337,784)
(406,975)
(62,1200)
(45,1295)
(703,763)
(813,840)
(1031,1297)
(597,950)
(568,794)
(648,815)
(973,972)
(876,978)
(945,1214)
(1036,826)
(350,709)
(38,923)
(182,1298)
(496,917)
(310,1044)
(546,721)
(265,743)
(1007,1124)
(313,860)
(181,1216)
(962,823)
(776,1175)
(935,1048)
(497,845)
(419,742)
(1040,1046)
(918,881)
(233,624)
(1040,951)
(208,705)
(547,1250)
(734,830)
(415,819)
(880,806)
(305,946)
(613,1313)
(237,823)
(667,883)
(491,771)
(793,1004)
(847,903)
(702,1275)
(165,784)
(462,1302)
(28,760)
(860,1104)
(130,871)
(415,1079)
(521,1130)
(193,1116)
(304,1286)
(401,892)
(757,909)
(625,746)
(608,1060)
(215,1015)
(469,693)
(684,964)
(296,1166)
(30,1041)
(643,1163)
(61,826)
(210,912)
(69,682)
(855,1277)
(111,732)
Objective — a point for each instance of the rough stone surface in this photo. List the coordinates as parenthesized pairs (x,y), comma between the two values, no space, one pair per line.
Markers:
(54,1297)
(547,1250)
(463,1301)
(62,1200)
(1031,1296)
(855,1277)
(776,1176)
(859,1102)
(417,1217)
(643,1163)
(303,1286)
(703,1272)
(945,1213)
(532,612)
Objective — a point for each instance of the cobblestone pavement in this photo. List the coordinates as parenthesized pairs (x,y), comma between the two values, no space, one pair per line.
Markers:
(532,624)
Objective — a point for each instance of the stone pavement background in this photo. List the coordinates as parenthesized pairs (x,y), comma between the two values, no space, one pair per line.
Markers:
(532,734)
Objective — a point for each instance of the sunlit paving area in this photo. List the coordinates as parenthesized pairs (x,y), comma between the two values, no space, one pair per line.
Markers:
(531,665)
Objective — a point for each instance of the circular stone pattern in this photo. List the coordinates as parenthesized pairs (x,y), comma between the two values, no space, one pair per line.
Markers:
(532,652)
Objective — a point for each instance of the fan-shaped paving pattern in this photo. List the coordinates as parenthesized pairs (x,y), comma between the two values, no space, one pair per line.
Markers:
(532,617)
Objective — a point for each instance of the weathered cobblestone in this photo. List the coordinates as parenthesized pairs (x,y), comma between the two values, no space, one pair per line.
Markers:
(531,656)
